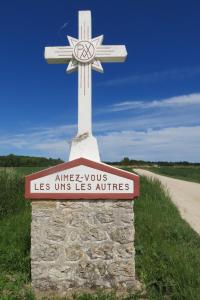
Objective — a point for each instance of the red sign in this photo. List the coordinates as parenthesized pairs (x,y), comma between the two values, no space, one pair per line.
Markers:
(82,179)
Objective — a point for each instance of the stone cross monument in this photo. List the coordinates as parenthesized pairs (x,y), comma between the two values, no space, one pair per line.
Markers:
(82,230)
(85,54)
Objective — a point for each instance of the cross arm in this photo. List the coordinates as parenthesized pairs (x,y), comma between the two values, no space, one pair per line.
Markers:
(85,27)
(109,53)
(58,55)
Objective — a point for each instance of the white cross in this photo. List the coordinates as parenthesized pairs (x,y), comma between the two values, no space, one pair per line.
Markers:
(85,53)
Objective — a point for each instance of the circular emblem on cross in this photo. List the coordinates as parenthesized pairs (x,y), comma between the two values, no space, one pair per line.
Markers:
(84,51)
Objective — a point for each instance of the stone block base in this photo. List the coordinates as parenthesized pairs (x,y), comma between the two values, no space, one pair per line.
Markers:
(82,244)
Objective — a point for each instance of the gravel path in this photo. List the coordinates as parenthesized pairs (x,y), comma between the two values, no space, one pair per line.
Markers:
(184,194)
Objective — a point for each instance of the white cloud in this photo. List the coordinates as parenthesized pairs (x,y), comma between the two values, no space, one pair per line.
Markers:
(173,144)
(178,101)
(168,129)
(173,74)
(44,141)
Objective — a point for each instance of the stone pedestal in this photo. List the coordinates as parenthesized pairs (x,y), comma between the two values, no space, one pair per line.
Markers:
(82,244)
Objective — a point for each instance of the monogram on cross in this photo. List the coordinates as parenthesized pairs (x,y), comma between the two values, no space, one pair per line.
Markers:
(85,53)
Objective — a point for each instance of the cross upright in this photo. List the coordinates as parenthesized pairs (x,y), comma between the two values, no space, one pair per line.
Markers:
(85,54)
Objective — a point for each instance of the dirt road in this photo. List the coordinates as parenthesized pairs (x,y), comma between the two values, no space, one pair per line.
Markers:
(184,194)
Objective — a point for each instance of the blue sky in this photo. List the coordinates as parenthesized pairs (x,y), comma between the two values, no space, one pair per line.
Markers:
(146,108)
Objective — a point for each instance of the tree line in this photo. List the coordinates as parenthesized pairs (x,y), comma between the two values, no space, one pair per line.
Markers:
(132,162)
(12,160)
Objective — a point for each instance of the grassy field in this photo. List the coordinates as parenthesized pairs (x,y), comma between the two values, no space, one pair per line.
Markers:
(167,249)
(15,221)
(185,173)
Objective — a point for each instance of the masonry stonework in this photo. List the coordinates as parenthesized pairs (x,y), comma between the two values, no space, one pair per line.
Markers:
(82,244)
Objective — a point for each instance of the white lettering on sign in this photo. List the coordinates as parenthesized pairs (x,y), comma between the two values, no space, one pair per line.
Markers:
(82,179)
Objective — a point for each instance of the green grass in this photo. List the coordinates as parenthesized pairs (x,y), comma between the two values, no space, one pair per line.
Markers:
(11,192)
(167,249)
(184,173)
(15,257)
(27,170)
(15,218)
